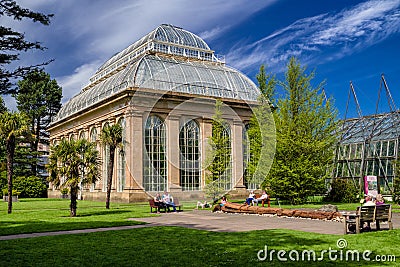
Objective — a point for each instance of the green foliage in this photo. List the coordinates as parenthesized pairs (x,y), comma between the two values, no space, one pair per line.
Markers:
(12,42)
(305,125)
(12,126)
(72,164)
(111,136)
(218,156)
(261,132)
(266,84)
(343,191)
(64,191)
(15,192)
(3,107)
(40,98)
(30,187)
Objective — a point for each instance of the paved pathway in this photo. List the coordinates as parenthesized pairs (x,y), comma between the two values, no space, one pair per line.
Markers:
(229,222)
(220,222)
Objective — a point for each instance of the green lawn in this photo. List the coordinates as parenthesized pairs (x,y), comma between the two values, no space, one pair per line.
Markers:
(175,246)
(44,215)
(164,246)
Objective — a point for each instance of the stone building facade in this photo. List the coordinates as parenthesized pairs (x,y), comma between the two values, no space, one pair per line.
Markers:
(162,90)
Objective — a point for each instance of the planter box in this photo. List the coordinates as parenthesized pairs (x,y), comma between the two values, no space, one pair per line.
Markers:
(13,198)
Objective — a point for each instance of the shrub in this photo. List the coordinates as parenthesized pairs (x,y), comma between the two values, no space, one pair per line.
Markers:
(342,191)
(30,187)
(396,190)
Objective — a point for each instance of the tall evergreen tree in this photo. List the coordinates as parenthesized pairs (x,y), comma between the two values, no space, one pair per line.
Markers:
(3,107)
(71,164)
(266,84)
(40,98)
(12,126)
(261,131)
(13,42)
(111,136)
(305,129)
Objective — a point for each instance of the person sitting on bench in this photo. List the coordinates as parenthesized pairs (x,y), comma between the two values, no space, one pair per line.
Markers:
(250,198)
(159,202)
(167,199)
(264,197)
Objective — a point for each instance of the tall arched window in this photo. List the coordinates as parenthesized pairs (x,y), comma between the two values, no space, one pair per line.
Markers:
(221,166)
(93,135)
(82,135)
(93,139)
(121,175)
(189,137)
(155,163)
(106,160)
(247,174)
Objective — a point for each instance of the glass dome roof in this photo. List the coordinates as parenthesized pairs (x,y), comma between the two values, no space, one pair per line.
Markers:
(165,65)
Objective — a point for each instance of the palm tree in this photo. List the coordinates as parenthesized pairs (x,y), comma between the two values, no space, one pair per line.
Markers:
(71,164)
(111,136)
(12,126)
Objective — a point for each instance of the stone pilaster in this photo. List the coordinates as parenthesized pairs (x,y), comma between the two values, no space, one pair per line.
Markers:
(172,123)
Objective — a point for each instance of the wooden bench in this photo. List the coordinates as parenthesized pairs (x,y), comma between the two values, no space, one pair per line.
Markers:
(177,204)
(154,206)
(263,201)
(368,214)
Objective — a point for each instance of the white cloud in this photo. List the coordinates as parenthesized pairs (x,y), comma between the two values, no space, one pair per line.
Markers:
(87,33)
(342,33)
(72,84)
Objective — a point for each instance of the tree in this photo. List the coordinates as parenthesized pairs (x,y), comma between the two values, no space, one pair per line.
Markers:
(266,84)
(305,128)
(71,164)
(111,136)
(218,157)
(261,131)
(12,125)
(13,42)
(3,107)
(40,98)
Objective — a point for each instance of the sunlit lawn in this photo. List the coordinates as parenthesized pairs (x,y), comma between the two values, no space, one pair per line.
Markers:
(176,246)
(163,246)
(43,215)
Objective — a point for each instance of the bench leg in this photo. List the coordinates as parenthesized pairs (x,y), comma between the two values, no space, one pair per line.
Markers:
(345,226)
(378,227)
(357,226)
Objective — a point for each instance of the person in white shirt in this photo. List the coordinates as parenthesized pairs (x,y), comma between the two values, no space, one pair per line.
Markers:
(168,200)
(264,196)
(251,197)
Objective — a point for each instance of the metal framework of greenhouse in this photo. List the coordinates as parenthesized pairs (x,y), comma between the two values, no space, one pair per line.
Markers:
(369,145)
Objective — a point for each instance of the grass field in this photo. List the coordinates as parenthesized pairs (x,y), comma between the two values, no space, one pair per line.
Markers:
(165,246)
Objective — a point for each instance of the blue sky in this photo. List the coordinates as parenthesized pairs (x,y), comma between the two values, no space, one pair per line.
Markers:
(342,40)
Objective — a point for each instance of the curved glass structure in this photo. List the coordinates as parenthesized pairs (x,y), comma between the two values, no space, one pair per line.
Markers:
(169,59)
(190,158)
(155,157)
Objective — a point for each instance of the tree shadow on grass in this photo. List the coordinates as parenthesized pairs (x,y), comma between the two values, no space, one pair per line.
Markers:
(99,213)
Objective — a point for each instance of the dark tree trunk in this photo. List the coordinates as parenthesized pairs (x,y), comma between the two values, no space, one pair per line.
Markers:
(109,175)
(10,161)
(35,146)
(74,197)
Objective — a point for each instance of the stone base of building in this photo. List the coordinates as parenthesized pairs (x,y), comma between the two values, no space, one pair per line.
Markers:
(131,196)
